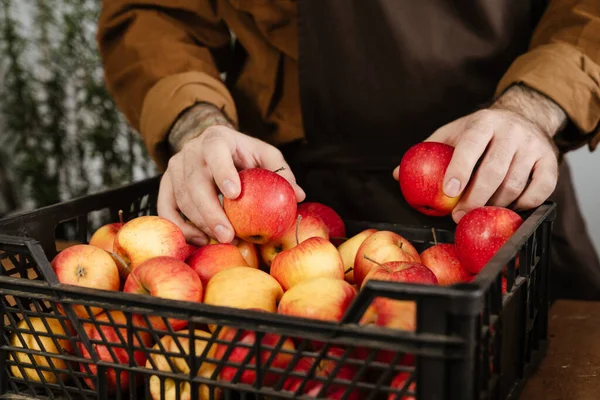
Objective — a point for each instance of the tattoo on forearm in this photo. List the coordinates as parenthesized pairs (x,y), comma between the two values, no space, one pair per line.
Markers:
(193,122)
(535,107)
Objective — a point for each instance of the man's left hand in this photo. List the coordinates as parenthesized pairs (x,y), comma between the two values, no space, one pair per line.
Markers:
(512,141)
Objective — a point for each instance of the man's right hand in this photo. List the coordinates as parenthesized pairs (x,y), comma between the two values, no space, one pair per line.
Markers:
(206,165)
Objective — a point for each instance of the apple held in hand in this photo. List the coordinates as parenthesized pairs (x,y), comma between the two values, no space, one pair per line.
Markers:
(213,258)
(111,347)
(265,209)
(481,233)
(147,237)
(348,250)
(319,298)
(421,178)
(269,343)
(382,246)
(396,314)
(336,228)
(167,278)
(315,257)
(86,266)
(304,228)
(442,261)
(179,364)
(57,367)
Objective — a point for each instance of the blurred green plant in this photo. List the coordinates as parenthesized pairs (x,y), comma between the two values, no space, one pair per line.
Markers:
(62,134)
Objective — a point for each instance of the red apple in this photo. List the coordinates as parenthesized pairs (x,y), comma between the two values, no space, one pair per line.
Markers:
(248,250)
(86,266)
(315,257)
(241,347)
(167,278)
(319,298)
(396,314)
(265,208)
(304,228)
(399,382)
(348,251)
(382,246)
(421,178)
(109,342)
(481,233)
(189,250)
(147,237)
(104,237)
(441,259)
(327,366)
(335,225)
(213,258)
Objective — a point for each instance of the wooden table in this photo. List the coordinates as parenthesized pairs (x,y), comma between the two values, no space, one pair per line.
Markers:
(571,369)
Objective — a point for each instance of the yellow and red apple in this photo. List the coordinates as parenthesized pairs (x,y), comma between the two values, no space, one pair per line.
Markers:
(348,250)
(213,258)
(442,261)
(315,257)
(334,223)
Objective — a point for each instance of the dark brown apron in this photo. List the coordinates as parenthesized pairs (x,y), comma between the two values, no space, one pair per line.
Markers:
(378,76)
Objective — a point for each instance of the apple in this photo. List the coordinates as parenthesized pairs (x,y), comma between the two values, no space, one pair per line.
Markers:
(284,353)
(102,334)
(147,237)
(304,228)
(86,266)
(179,365)
(421,178)
(189,249)
(213,258)
(335,225)
(104,237)
(244,288)
(315,257)
(441,259)
(396,314)
(481,233)
(398,383)
(348,251)
(319,298)
(265,209)
(28,339)
(248,250)
(324,368)
(167,278)
(382,246)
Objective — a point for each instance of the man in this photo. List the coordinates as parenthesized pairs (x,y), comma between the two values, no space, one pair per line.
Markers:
(337,90)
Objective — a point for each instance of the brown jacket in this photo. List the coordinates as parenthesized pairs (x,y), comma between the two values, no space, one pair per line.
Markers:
(162,56)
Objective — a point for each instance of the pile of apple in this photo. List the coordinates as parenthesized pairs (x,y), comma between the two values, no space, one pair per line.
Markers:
(288,258)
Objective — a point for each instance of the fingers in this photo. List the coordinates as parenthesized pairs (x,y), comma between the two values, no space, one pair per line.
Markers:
(217,153)
(167,208)
(543,183)
(515,181)
(489,176)
(271,158)
(467,152)
(204,200)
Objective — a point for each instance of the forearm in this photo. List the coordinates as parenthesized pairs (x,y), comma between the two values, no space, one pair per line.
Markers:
(193,122)
(535,107)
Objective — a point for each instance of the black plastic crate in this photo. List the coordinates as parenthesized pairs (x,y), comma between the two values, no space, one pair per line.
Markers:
(471,341)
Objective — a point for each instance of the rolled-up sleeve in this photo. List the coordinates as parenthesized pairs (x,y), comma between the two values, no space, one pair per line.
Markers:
(159,59)
(563,63)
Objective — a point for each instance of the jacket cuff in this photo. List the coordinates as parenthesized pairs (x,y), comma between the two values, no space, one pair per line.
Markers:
(170,97)
(571,80)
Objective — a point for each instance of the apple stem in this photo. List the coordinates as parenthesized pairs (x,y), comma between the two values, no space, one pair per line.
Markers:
(279,170)
(348,270)
(373,261)
(297,228)
(434,236)
(121,216)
